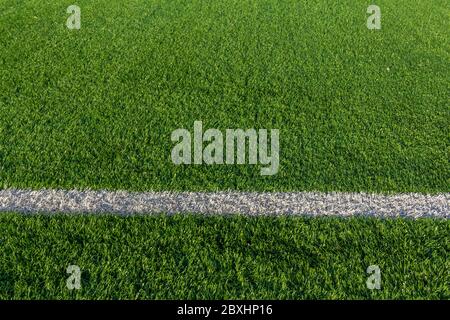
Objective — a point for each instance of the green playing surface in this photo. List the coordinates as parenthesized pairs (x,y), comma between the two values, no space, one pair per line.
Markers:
(357,109)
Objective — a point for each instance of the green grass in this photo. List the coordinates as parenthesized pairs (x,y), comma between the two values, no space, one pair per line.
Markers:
(358,110)
(194,257)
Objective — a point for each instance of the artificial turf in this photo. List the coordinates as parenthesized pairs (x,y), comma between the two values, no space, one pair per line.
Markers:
(357,109)
(234,257)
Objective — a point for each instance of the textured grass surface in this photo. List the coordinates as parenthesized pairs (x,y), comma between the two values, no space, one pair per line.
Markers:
(358,110)
(189,257)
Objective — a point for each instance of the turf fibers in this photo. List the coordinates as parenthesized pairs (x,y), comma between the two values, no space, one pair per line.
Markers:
(357,109)
(194,257)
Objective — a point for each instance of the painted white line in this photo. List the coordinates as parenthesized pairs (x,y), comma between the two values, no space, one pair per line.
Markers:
(412,205)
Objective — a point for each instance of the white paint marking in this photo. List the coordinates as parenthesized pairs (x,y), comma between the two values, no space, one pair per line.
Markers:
(411,205)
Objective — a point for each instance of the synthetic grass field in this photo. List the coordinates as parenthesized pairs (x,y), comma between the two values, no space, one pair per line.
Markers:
(193,257)
(357,109)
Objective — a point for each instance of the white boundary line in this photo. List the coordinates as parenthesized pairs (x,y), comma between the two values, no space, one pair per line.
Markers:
(411,205)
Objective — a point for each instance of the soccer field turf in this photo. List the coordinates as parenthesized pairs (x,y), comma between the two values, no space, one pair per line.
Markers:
(194,257)
(357,110)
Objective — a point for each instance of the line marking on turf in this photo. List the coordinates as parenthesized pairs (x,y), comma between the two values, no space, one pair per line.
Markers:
(411,205)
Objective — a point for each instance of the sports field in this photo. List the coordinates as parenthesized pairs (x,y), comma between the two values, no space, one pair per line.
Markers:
(357,110)
(193,257)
